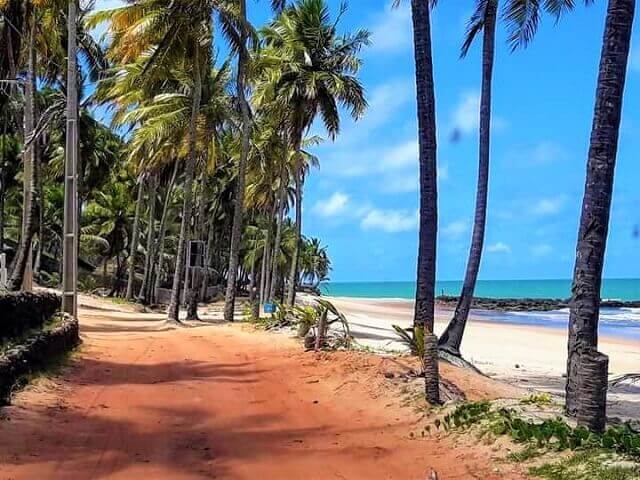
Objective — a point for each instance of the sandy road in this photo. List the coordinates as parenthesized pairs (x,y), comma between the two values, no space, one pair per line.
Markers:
(144,402)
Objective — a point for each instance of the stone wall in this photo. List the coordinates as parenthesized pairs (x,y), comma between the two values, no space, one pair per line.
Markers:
(35,353)
(22,311)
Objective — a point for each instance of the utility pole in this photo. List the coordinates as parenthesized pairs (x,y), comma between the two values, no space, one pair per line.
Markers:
(70,230)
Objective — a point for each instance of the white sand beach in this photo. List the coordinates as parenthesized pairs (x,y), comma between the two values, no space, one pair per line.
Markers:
(527,356)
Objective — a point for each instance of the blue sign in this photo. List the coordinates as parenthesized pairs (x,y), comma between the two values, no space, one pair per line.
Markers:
(269,308)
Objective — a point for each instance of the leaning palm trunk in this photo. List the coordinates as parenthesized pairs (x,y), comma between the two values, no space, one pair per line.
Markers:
(426,274)
(586,367)
(134,240)
(162,230)
(236,230)
(273,284)
(143,295)
(293,273)
(451,339)
(173,311)
(22,261)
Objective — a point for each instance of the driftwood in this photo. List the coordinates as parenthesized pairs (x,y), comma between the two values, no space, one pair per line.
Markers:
(629,377)
(458,361)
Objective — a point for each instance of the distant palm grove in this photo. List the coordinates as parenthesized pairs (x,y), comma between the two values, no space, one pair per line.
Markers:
(206,156)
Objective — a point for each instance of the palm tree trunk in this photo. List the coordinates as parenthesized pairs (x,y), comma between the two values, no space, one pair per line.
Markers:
(2,182)
(20,277)
(173,312)
(273,285)
(293,273)
(193,295)
(143,295)
(426,271)
(594,221)
(133,250)
(162,230)
(40,195)
(451,339)
(236,230)
(207,259)
(266,271)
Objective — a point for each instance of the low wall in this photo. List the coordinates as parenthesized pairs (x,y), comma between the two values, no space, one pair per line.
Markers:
(22,311)
(34,353)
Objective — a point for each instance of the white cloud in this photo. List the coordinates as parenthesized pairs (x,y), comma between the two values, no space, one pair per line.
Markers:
(400,183)
(334,205)
(499,247)
(443,172)
(399,156)
(108,4)
(390,221)
(391,31)
(543,153)
(548,206)
(542,250)
(456,228)
(466,115)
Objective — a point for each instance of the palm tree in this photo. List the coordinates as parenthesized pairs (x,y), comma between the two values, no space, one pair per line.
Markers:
(135,238)
(315,72)
(22,261)
(109,216)
(426,271)
(483,19)
(236,229)
(586,367)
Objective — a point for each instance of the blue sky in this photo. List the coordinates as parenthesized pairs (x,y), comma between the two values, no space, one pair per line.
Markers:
(363,201)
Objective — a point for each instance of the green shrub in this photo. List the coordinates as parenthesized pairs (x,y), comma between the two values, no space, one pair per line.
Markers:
(553,433)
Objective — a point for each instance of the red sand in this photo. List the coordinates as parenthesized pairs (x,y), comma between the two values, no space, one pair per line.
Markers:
(224,402)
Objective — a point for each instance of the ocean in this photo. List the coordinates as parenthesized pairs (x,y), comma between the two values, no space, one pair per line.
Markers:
(618,322)
(612,289)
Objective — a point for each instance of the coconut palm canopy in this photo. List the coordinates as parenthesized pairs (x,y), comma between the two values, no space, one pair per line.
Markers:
(166,170)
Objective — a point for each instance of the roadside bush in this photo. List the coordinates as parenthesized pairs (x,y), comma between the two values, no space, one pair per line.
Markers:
(20,312)
(553,434)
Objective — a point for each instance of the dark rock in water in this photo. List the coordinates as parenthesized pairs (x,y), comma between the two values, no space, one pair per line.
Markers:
(528,304)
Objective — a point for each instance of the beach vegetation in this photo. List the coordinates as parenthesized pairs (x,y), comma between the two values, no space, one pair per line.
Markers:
(613,452)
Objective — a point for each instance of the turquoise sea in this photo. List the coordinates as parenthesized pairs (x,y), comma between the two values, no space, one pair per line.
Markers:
(618,322)
(618,289)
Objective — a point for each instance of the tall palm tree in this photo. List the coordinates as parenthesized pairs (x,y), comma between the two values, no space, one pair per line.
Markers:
(315,72)
(483,19)
(426,268)
(586,367)
(236,229)
(22,262)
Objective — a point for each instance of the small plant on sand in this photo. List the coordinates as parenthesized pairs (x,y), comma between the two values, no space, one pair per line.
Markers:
(588,465)
(412,338)
(551,434)
(539,399)
(321,335)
